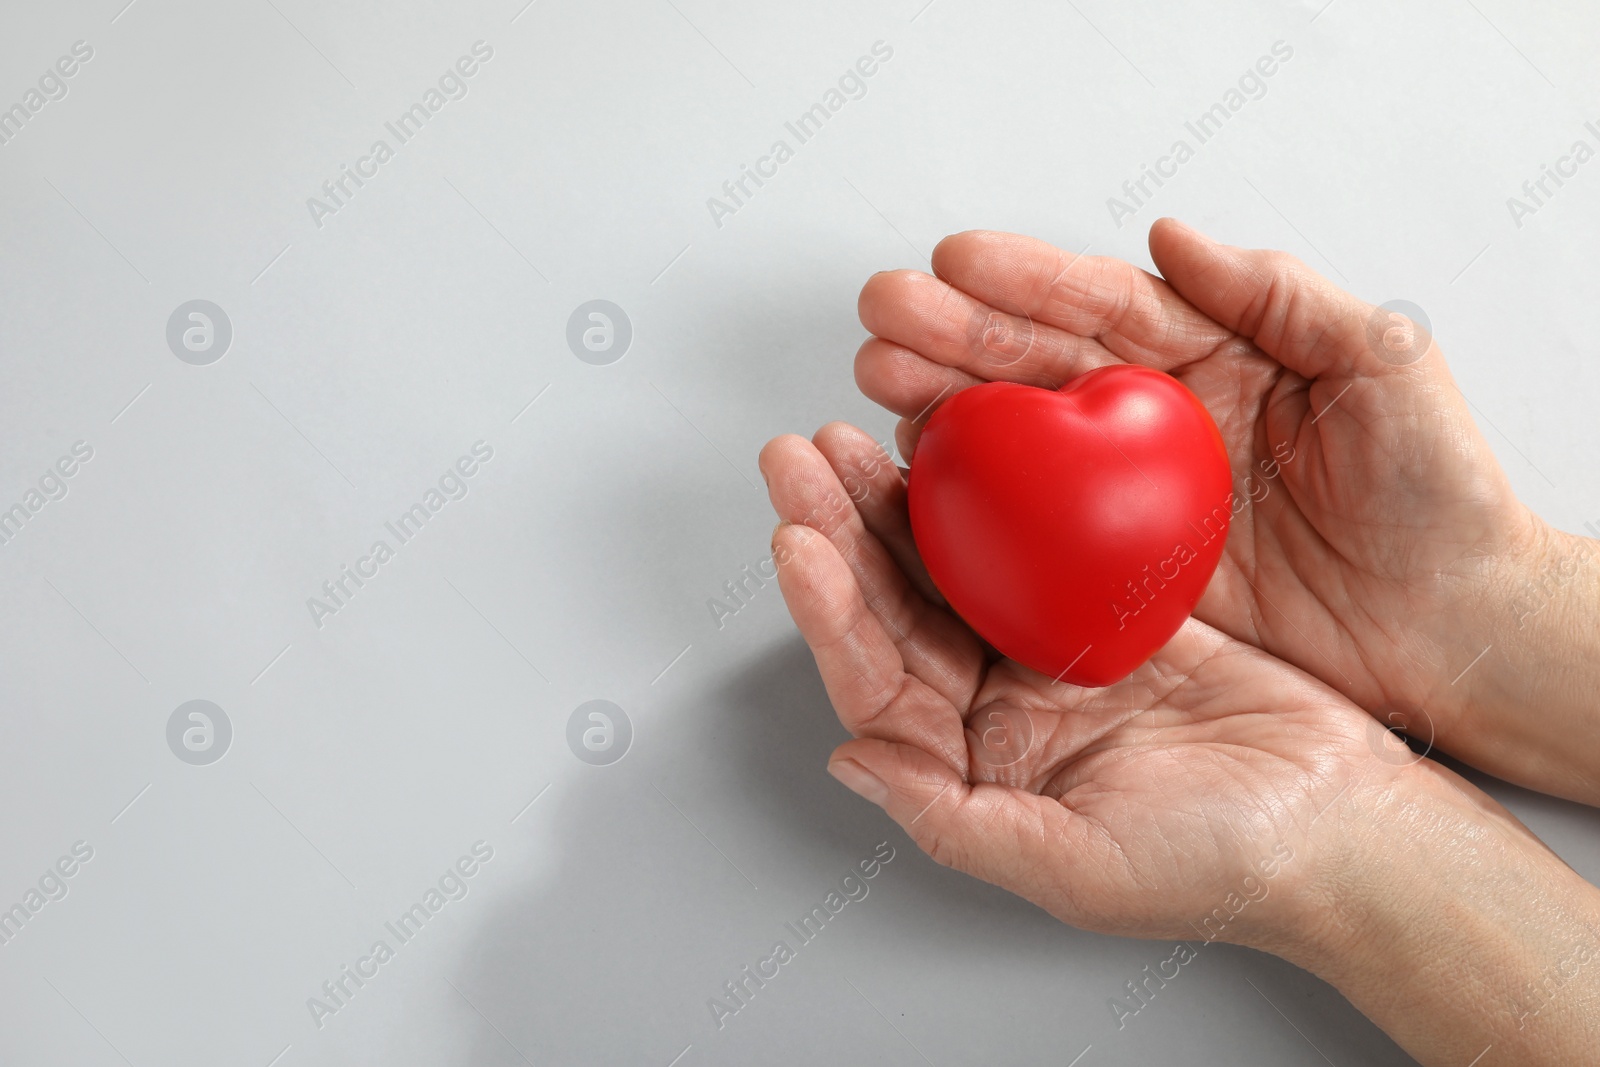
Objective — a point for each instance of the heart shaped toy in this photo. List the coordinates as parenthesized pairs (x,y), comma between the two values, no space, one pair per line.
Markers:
(1073,529)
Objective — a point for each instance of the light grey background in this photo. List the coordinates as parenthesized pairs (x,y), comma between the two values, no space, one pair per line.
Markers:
(368,354)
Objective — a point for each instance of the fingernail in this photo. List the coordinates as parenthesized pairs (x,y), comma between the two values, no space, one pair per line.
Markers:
(860,781)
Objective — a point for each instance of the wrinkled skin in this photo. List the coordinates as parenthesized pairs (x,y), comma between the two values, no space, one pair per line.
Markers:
(1379,529)
(1134,809)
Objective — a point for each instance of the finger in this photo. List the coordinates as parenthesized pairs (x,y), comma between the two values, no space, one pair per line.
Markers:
(1290,311)
(868,474)
(862,669)
(905,382)
(1132,314)
(906,436)
(952,329)
(935,647)
(1031,845)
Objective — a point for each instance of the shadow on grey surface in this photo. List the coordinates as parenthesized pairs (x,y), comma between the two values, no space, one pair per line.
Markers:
(651,908)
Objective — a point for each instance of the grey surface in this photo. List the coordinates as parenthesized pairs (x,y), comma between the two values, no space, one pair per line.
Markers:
(371,352)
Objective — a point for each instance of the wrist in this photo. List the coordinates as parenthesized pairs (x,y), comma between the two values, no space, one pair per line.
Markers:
(1441,918)
(1541,653)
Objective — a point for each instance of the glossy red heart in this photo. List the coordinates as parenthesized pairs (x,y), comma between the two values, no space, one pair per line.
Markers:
(1073,529)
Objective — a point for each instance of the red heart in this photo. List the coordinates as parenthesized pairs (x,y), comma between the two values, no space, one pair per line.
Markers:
(1074,530)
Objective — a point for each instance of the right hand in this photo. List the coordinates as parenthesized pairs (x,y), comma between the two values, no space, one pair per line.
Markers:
(1215,793)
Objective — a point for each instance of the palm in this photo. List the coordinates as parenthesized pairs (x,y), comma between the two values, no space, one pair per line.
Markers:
(1369,500)
(1186,774)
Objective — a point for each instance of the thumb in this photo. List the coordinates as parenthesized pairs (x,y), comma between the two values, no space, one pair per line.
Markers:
(1291,312)
(1018,840)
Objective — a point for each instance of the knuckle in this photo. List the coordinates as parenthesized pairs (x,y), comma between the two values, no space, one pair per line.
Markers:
(1285,265)
(940,846)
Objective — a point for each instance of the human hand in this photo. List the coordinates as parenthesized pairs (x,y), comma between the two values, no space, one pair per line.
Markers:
(1132,809)
(1216,793)
(1375,543)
